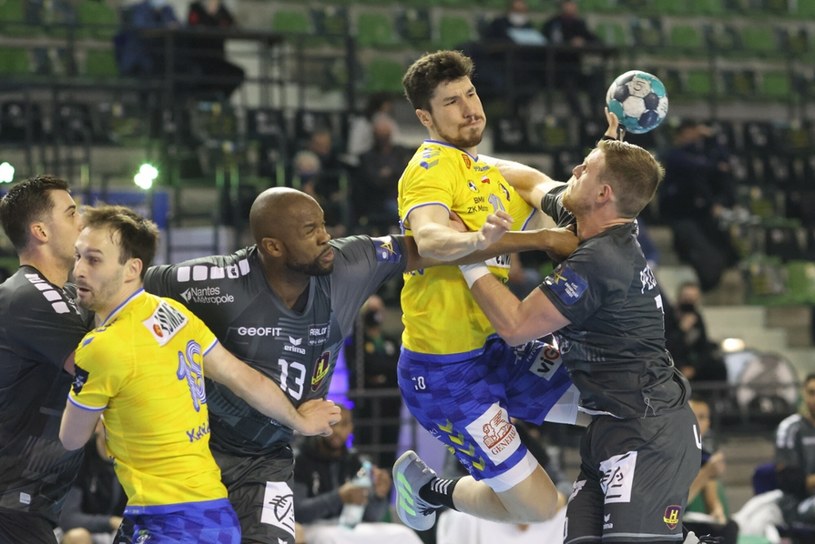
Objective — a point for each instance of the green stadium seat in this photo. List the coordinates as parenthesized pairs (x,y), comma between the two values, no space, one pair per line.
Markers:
(776,85)
(331,23)
(722,38)
(383,75)
(13,21)
(415,27)
(14,61)
(454,31)
(686,39)
(612,33)
(376,31)
(740,84)
(291,22)
(597,6)
(709,8)
(759,40)
(699,83)
(97,20)
(100,63)
(669,7)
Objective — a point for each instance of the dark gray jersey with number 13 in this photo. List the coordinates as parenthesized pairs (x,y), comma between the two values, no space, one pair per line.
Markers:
(298,351)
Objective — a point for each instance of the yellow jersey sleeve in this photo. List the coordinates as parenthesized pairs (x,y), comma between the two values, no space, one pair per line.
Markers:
(101,367)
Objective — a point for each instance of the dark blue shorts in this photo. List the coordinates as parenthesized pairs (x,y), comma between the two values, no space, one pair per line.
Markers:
(210,522)
(467,404)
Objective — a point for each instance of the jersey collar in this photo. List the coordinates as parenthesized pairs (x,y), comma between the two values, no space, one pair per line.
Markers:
(121,306)
(445,144)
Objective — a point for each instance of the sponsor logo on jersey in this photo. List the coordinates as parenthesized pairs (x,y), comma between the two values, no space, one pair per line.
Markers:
(80,379)
(203,272)
(472,186)
(607,522)
(485,179)
(494,433)
(648,279)
(387,251)
(467,162)
(294,346)
(164,323)
(206,295)
(617,477)
(505,191)
(322,368)
(671,516)
(567,284)
(259,331)
(547,362)
(577,487)
(54,296)
(318,334)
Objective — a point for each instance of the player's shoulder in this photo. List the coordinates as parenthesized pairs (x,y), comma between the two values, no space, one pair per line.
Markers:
(231,268)
(28,291)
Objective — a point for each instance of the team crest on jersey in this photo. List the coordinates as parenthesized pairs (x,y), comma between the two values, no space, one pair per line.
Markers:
(567,284)
(165,322)
(387,251)
(80,379)
(322,369)
(467,162)
(671,516)
(472,186)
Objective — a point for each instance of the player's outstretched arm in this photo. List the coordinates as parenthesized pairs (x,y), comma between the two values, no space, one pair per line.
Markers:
(559,243)
(437,239)
(514,320)
(530,183)
(312,418)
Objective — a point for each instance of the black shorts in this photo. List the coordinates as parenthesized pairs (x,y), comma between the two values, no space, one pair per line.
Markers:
(25,527)
(634,479)
(260,490)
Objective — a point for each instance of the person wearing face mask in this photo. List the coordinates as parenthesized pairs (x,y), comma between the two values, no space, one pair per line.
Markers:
(135,55)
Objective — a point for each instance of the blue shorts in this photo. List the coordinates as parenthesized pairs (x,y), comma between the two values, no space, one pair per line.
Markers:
(210,522)
(467,404)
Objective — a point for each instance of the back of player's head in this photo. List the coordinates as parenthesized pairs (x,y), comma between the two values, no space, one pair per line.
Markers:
(633,173)
(27,202)
(136,236)
(272,211)
(431,70)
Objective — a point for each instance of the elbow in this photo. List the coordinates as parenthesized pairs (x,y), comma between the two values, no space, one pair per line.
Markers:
(70,443)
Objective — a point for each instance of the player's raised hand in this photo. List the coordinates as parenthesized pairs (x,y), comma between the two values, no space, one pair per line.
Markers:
(561,242)
(317,416)
(614,129)
(496,226)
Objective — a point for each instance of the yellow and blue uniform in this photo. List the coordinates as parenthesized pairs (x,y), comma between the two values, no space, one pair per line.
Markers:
(439,313)
(459,380)
(144,369)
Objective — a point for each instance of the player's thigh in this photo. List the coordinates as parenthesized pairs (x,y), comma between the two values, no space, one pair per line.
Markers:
(260,490)
(644,468)
(535,381)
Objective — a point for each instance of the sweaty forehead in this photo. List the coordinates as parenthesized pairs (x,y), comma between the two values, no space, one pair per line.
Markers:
(455,87)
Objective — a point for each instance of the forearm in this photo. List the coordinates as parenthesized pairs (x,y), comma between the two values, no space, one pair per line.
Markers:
(265,396)
(699,483)
(555,241)
(501,307)
(444,244)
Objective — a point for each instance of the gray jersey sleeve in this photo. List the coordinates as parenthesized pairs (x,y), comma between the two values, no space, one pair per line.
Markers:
(552,205)
(362,265)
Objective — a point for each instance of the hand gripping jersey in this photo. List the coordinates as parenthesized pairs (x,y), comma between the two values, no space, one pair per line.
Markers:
(39,327)
(439,313)
(144,368)
(296,350)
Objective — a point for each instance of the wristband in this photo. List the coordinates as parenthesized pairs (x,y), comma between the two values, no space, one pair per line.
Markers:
(472,272)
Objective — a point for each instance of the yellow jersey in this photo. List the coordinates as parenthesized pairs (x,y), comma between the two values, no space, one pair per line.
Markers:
(439,313)
(144,368)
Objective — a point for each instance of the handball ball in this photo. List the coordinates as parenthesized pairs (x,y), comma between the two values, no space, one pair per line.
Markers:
(639,101)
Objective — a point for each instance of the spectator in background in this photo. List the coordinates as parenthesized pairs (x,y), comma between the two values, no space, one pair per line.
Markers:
(361,131)
(218,74)
(378,358)
(139,56)
(374,192)
(696,356)
(326,184)
(696,193)
(512,26)
(706,496)
(569,30)
(323,472)
(795,459)
(94,505)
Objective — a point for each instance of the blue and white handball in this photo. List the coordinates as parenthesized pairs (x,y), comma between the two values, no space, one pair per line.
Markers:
(639,101)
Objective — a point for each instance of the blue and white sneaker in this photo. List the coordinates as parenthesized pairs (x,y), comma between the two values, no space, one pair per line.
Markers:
(409,475)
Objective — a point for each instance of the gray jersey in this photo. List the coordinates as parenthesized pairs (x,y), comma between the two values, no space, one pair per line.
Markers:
(614,347)
(795,444)
(297,350)
(39,328)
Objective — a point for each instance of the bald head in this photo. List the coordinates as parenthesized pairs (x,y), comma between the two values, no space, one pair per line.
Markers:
(274,211)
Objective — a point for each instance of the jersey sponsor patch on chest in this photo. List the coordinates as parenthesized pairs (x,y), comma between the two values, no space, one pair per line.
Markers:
(165,322)
(318,334)
(567,284)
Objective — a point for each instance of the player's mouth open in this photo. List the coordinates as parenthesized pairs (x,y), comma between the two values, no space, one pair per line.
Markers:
(327,256)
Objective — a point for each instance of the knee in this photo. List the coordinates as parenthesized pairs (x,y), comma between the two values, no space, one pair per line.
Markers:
(77,536)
